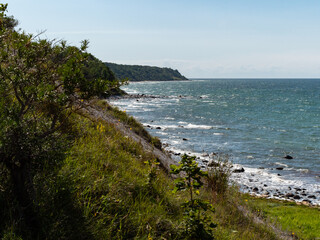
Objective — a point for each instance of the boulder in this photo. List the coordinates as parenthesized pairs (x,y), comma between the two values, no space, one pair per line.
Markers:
(312,196)
(289,195)
(296,197)
(288,157)
(279,168)
(238,170)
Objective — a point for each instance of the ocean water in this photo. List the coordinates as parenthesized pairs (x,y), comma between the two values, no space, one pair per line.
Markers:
(255,121)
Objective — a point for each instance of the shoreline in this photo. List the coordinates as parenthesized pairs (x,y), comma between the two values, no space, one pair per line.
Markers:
(248,179)
(292,194)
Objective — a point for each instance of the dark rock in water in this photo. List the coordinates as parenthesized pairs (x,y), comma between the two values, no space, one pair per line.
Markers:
(279,168)
(148,126)
(298,189)
(255,189)
(303,194)
(158,127)
(312,196)
(250,180)
(279,174)
(288,157)
(289,195)
(289,188)
(261,167)
(296,197)
(306,200)
(239,170)
(204,160)
(184,139)
(177,154)
(265,185)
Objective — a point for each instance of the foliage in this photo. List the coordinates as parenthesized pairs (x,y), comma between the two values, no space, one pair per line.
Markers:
(144,73)
(41,81)
(219,171)
(152,175)
(133,124)
(198,223)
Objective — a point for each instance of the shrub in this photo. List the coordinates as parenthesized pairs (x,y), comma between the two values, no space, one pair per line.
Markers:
(219,171)
(197,222)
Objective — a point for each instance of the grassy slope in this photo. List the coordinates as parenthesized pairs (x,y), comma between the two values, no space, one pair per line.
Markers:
(111,182)
(102,191)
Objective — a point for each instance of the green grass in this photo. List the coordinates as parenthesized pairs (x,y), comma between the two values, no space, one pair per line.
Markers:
(110,181)
(130,122)
(299,220)
(102,190)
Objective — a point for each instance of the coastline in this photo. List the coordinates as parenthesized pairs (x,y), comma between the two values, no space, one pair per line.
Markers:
(248,180)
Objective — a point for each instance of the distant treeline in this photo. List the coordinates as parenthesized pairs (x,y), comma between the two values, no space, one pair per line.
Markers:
(144,73)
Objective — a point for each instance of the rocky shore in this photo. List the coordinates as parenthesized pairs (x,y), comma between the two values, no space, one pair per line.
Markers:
(253,181)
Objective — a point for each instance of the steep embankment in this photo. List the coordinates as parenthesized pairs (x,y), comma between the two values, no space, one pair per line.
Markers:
(100,114)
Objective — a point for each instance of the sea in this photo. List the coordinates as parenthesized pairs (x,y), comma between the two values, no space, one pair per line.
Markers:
(255,122)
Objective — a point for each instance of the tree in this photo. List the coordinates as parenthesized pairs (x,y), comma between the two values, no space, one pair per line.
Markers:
(40,80)
(198,224)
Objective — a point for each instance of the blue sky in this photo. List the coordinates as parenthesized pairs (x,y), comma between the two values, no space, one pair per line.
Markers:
(200,38)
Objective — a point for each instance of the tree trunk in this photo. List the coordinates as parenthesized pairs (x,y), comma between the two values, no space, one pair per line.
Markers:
(21,189)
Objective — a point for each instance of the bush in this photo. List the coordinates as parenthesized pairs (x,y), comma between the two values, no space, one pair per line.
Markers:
(219,171)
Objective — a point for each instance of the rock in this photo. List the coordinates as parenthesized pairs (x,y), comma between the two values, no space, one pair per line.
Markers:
(239,170)
(298,189)
(255,189)
(261,167)
(306,202)
(288,157)
(289,195)
(148,126)
(158,127)
(279,168)
(312,196)
(204,160)
(265,185)
(177,154)
(184,139)
(279,174)
(296,197)
(250,180)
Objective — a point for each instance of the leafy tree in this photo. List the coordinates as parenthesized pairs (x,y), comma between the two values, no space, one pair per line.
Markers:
(198,223)
(144,73)
(41,83)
